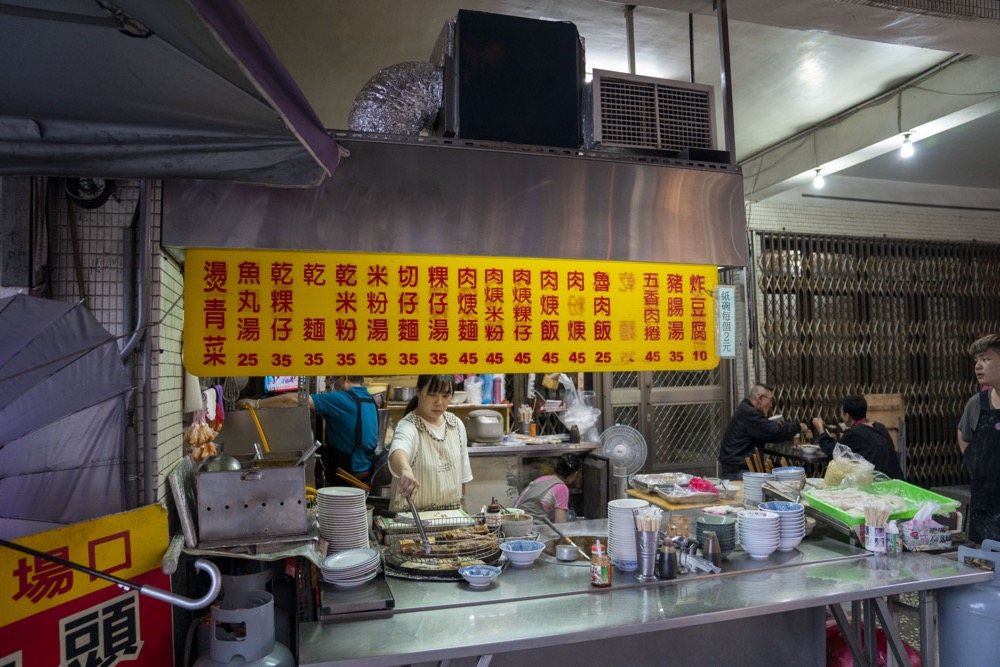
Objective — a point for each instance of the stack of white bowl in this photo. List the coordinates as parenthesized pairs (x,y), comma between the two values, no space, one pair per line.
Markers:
(792,519)
(352,567)
(342,517)
(760,532)
(753,487)
(621,532)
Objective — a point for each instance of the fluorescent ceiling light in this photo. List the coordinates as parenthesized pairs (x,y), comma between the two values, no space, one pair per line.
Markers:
(907,148)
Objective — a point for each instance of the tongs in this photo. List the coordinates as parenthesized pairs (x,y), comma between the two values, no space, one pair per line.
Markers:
(568,541)
(420,526)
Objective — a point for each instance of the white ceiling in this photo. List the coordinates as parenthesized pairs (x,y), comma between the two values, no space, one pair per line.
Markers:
(807,77)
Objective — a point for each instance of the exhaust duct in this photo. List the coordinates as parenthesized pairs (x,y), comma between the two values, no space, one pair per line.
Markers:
(400,99)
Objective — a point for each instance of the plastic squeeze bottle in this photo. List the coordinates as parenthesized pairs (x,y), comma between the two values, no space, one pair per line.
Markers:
(600,566)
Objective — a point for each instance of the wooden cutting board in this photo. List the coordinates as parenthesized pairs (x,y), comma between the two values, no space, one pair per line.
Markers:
(660,502)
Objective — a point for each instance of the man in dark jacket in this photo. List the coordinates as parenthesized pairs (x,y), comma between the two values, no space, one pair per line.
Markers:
(868,439)
(750,428)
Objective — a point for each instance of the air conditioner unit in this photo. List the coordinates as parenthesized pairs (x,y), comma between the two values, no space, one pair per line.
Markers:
(641,112)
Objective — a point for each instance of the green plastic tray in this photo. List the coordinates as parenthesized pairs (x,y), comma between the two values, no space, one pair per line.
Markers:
(914,494)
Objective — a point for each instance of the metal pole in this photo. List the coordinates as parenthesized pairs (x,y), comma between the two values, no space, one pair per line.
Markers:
(727,81)
(691,44)
(164,596)
(630,37)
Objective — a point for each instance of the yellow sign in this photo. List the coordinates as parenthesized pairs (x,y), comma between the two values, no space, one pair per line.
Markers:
(269,312)
(123,545)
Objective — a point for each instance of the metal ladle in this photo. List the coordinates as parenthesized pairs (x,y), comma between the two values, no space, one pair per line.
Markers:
(560,534)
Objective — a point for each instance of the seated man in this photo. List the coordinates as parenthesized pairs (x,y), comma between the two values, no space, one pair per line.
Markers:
(868,439)
(750,428)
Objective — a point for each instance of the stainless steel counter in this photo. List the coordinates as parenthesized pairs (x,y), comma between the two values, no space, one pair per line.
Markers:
(533,450)
(528,611)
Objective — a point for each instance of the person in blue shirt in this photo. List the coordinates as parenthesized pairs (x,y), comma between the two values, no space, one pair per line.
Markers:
(351,417)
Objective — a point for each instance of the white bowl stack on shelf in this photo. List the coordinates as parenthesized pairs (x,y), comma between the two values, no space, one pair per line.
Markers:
(792,520)
(760,532)
(621,532)
(753,487)
(342,517)
(352,567)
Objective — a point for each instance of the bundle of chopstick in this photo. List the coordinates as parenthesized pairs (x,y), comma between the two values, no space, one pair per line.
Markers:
(875,516)
(524,414)
(647,518)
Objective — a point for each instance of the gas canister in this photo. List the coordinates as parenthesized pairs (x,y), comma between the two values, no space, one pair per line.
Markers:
(969,615)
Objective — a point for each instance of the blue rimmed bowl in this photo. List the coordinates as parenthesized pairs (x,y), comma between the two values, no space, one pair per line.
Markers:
(479,576)
(522,553)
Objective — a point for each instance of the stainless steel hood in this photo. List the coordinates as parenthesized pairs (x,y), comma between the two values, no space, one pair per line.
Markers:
(440,196)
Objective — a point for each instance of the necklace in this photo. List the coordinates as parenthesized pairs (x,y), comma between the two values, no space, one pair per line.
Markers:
(423,427)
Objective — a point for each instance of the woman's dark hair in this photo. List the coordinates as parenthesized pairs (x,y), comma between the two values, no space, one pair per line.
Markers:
(567,465)
(435,384)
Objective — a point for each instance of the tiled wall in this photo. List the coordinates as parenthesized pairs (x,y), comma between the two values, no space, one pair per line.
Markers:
(168,371)
(100,247)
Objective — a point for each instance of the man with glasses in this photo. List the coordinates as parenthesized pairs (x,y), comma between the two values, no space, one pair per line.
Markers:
(750,428)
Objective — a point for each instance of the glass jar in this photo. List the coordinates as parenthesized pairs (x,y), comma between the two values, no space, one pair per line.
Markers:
(678,526)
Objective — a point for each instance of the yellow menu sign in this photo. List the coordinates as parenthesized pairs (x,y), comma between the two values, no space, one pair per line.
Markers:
(265,312)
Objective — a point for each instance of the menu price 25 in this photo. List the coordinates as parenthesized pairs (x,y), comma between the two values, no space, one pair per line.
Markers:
(265,312)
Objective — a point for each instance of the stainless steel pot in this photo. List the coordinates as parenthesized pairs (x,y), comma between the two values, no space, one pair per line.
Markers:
(403,393)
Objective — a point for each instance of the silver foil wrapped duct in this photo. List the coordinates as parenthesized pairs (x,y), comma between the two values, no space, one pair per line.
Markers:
(400,99)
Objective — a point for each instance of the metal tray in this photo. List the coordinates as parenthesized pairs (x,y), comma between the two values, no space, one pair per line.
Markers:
(687,498)
(649,483)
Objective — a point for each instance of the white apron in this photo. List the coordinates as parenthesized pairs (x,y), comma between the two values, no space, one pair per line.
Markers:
(436,463)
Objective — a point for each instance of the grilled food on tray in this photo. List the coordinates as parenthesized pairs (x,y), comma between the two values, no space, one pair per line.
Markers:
(474,539)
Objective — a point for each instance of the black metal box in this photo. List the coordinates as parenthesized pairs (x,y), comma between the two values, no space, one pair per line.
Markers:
(514,80)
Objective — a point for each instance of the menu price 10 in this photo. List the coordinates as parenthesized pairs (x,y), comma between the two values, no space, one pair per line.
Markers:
(451,362)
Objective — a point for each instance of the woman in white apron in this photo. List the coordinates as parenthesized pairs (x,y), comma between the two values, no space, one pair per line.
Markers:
(429,456)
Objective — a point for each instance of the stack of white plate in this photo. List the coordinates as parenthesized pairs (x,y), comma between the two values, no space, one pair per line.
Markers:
(753,486)
(621,532)
(792,474)
(342,517)
(760,532)
(352,567)
(792,521)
